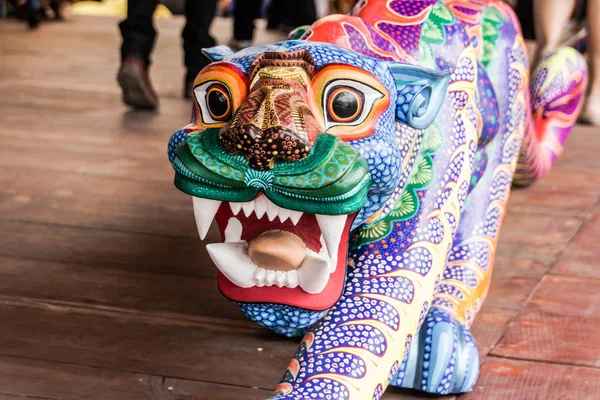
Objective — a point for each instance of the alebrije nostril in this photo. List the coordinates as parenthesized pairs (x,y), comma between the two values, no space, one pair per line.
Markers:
(262,147)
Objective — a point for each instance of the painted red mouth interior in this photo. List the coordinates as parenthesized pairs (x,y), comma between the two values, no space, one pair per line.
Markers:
(308,230)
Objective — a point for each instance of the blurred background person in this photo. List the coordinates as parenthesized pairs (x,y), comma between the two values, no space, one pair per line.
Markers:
(244,14)
(551,17)
(139,35)
(282,15)
(34,11)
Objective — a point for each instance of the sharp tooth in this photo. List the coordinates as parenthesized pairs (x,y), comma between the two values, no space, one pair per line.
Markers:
(284,214)
(204,211)
(260,206)
(235,208)
(332,227)
(233,261)
(295,216)
(272,210)
(248,207)
(233,232)
(314,273)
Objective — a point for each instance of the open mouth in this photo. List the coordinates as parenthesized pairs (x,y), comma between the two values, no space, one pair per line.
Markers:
(284,229)
(276,255)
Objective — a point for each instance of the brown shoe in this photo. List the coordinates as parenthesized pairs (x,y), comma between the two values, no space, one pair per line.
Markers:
(137,89)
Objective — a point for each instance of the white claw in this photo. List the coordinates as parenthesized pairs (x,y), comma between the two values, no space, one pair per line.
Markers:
(204,211)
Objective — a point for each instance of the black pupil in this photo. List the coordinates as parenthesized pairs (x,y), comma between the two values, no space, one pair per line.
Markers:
(217,103)
(345,104)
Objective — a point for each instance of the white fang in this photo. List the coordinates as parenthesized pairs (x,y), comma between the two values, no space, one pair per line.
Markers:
(204,211)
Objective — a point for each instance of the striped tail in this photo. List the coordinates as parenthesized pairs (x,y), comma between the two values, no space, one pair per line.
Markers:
(557,94)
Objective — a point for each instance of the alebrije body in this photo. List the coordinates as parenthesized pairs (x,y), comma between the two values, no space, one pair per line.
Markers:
(386,141)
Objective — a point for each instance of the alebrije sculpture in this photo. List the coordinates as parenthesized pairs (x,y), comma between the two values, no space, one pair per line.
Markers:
(359,176)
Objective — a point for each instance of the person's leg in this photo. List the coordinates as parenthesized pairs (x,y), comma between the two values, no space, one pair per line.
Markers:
(138,39)
(306,15)
(246,11)
(57,8)
(591,109)
(33,16)
(199,15)
(550,19)
(138,30)
(593,47)
(322,8)
(275,14)
(298,13)
(524,10)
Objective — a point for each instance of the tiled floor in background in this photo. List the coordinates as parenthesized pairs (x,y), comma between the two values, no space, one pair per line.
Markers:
(106,293)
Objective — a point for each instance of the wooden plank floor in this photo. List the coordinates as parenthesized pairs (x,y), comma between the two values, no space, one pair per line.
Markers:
(106,293)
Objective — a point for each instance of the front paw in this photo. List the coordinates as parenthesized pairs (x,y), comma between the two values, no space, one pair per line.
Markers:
(443,357)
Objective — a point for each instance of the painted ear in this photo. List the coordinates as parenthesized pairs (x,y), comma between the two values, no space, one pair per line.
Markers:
(420,94)
(217,53)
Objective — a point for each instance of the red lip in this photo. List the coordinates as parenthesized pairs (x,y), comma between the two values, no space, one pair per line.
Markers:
(308,230)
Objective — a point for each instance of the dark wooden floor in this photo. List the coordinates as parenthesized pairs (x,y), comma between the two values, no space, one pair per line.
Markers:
(107,294)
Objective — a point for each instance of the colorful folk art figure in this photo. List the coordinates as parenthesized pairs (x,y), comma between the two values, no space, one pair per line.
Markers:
(359,175)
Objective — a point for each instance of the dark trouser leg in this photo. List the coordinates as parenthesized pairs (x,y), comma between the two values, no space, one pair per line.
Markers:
(246,11)
(524,10)
(275,14)
(33,17)
(199,15)
(307,13)
(298,13)
(137,30)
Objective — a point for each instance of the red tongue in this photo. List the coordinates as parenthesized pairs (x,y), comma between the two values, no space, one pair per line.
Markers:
(307,228)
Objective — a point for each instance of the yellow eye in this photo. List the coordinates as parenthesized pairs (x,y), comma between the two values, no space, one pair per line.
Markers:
(214,101)
(219,90)
(350,100)
(344,104)
(218,102)
(347,102)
